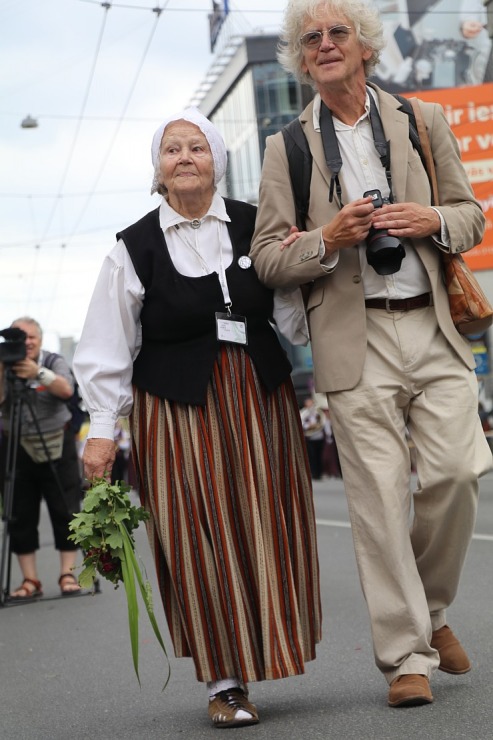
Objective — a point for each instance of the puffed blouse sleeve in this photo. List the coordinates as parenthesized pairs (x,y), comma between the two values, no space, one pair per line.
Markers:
(110,342)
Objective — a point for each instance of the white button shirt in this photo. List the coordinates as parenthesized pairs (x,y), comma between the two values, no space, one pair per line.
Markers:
(362,170)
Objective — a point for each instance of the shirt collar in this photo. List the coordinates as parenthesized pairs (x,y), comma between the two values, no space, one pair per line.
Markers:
(169,217)
(339,125)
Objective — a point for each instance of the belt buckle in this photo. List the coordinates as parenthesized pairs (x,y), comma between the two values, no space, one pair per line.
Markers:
(387,305)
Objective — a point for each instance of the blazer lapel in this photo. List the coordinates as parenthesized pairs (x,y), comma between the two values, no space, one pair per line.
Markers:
(314,142)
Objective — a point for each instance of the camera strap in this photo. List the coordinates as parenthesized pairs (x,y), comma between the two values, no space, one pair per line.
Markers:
(332,152)
(381,144)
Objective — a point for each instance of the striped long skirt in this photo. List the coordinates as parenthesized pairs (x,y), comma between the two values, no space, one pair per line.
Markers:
(232,524)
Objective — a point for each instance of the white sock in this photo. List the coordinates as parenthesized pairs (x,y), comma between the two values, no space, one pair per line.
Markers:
(214,687)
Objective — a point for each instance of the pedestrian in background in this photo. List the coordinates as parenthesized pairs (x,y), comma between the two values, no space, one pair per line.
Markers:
(330,457)
(312,420)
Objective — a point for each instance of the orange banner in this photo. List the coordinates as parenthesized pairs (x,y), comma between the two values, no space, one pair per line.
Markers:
(469,111)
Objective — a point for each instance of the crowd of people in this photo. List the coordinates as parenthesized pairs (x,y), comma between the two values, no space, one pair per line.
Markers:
(223,457)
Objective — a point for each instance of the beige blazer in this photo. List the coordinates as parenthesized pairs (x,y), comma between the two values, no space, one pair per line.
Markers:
(336,308)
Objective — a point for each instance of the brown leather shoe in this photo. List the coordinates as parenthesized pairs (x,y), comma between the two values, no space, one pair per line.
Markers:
(453,657)
(410,690)
(231,708)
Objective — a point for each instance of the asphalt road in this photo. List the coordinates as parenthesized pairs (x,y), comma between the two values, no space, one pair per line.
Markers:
(66,671)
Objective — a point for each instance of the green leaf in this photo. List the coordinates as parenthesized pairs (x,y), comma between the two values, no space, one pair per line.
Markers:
(133,608)
(114,540)
(104,529)
(92,498)
(121,515)
(147,599)
(87,576)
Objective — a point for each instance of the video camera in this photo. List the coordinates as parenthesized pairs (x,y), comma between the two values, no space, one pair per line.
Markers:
(13,348)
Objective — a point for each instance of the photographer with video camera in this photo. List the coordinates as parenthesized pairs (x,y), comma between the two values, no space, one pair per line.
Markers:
(46,457)
(385,348)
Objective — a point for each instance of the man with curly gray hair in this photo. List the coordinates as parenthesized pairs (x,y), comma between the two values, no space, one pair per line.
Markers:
(385,349)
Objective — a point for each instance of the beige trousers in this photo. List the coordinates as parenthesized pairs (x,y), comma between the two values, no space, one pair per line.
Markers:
(410,574)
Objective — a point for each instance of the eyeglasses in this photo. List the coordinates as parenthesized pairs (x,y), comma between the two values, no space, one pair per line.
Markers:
(337,34)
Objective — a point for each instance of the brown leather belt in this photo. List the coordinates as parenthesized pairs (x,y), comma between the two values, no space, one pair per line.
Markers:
(401,304)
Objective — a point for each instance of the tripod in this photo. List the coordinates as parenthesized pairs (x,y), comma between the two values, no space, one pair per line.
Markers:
(18,395)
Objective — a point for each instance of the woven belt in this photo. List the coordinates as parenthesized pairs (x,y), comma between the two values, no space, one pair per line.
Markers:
(401,304)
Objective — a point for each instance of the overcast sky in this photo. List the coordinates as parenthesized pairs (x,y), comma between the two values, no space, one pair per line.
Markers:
(99,82)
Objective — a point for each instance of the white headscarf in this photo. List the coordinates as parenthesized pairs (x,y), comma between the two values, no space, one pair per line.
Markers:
(214,139)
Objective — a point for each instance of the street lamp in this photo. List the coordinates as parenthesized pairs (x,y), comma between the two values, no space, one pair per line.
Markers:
(29,122)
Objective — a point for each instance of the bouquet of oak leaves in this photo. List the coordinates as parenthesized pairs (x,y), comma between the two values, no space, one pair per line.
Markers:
(103,529)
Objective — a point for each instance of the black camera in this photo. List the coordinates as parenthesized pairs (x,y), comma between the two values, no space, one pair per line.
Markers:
(13,348)
(383,252)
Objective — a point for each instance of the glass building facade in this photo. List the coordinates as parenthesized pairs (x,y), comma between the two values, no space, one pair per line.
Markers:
(262,101)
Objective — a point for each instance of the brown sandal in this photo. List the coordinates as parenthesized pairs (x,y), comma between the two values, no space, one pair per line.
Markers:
(69,591)
(34,594)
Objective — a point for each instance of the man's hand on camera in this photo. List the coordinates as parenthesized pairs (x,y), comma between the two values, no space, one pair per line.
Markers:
(407,219)
(26,369)
(349,227)
(57,385)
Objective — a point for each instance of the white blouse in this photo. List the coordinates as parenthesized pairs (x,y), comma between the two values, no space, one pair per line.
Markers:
(111,337)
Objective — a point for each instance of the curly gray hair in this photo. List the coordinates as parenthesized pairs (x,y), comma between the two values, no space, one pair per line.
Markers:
(361,15)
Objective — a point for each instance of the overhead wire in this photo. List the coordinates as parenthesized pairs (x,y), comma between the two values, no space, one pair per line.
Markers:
(392,9)
(34,273)
(73,231)
(57,201)
(79,122)
(158,12)
(181,9)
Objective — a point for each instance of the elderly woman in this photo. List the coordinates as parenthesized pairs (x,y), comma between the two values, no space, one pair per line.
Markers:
(178,334)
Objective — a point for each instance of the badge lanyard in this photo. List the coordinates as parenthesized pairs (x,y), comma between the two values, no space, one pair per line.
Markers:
(229,327)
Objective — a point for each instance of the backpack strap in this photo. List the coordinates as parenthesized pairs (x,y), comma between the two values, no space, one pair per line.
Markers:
(300,168)
(49,360)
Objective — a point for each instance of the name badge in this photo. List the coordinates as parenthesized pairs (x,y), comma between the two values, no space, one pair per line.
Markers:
(231,328)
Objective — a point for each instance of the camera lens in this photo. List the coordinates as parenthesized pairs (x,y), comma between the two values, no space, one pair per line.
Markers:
(383,252)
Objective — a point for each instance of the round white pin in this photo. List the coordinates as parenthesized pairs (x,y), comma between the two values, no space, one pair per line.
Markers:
(244,262)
